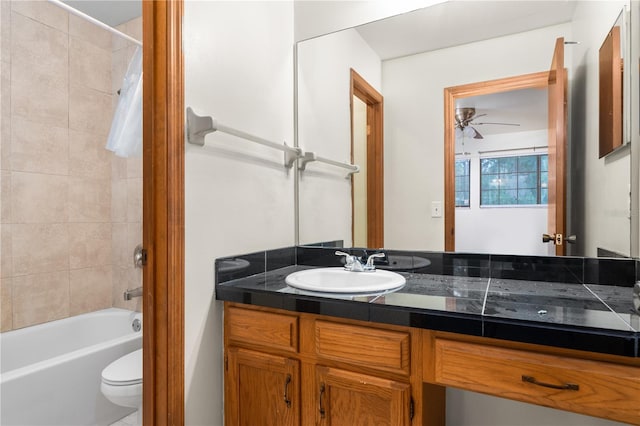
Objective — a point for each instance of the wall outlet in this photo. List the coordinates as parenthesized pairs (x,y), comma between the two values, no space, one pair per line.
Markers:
(436,209)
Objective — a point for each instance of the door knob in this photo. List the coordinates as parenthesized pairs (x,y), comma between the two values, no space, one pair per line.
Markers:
(554,238)
(571,239)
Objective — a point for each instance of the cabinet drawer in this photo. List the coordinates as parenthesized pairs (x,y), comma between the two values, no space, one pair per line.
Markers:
(267,329)
(384,350)
(589,387)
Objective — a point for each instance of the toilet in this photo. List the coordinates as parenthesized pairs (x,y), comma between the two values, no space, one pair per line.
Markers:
(122,382)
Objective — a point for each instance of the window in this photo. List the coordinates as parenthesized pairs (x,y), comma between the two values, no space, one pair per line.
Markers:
(514,180)
(462,182)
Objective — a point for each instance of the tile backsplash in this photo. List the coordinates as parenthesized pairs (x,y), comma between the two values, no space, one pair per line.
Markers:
(71,211)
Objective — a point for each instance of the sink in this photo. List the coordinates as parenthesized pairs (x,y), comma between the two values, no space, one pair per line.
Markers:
(337,280)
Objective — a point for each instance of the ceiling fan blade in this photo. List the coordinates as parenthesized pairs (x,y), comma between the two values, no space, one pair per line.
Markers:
(500,124)
(477,134)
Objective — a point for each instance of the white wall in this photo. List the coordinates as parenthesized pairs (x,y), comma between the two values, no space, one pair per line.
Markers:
(325,128)
(501,230)
(413,88)
(238,196)
(600,206)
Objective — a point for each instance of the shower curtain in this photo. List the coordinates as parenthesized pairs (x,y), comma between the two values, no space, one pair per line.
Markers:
(125,136)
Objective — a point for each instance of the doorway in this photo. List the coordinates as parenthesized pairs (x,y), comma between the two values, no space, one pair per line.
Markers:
(453,96)
(367,186)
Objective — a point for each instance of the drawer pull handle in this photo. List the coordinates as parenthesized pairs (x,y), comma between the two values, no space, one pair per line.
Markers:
(320,401)
(566,386)
(286,386)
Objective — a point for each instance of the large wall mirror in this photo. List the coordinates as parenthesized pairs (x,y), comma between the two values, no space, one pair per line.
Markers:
(479,53)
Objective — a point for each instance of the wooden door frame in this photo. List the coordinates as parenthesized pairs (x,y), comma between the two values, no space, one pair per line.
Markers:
(360,88)
(451,94)
(163,213)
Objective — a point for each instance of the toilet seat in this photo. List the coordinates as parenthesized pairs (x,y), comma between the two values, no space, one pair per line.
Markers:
(125,371)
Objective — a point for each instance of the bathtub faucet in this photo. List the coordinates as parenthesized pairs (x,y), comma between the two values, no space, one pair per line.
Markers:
(130,294)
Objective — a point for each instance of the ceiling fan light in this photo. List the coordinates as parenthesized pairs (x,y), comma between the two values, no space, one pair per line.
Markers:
(469,132)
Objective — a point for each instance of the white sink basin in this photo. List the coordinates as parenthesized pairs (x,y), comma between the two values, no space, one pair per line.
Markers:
(337,280)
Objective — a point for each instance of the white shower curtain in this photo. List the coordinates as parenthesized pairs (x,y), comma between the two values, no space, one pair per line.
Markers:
(125,136)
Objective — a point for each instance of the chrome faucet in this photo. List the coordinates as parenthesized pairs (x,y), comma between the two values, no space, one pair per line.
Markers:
(354,264)
(130,294)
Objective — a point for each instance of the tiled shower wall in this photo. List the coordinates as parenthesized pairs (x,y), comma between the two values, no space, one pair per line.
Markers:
(71,210)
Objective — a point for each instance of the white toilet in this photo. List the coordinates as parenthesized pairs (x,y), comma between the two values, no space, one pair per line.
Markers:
(122,382)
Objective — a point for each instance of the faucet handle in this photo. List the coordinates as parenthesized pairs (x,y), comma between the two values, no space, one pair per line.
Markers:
(349,259)
(371,259)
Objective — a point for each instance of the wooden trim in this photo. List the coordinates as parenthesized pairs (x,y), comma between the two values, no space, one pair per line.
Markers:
(375,157)
(163,213)
(451,95)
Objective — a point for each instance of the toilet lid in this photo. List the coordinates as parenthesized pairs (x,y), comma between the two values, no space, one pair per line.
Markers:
(124,371)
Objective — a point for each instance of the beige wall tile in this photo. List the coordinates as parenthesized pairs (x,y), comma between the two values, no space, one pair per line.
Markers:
(134,200)
(90,289)
(89,32)
(89,110)
(5,196)
(38,198)
(5,115)
(40,298)
(88,156)
(89,65)
(121,253)
(126,278)
(134,167)
(39,248)
(38,147)
(38,46)
(119,200)
(5,31)
(134,235)
(118,167)
(134,28)
(89,245)
(6,251)
(39,73)
(39,98)
(89,200)
(6,304)
(42,11)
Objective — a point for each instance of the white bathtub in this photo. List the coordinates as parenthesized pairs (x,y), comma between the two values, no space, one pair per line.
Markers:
(50,373)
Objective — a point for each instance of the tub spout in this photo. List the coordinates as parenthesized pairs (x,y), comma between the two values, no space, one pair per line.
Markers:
(130,294)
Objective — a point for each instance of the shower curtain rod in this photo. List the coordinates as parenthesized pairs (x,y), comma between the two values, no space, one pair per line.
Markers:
(94,21)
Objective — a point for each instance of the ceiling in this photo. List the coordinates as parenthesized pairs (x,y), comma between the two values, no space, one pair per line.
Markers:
(526,107)
(454,23)
(113,12)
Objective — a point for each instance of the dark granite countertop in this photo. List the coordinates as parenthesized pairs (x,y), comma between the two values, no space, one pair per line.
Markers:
(596,317)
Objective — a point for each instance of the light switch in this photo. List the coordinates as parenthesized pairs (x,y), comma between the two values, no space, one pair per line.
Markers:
(436,209)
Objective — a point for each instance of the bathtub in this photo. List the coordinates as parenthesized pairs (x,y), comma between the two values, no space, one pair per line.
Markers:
(50,373)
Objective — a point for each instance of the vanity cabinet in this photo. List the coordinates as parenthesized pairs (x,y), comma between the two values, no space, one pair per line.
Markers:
(290,368)
(286,368)
(582,382)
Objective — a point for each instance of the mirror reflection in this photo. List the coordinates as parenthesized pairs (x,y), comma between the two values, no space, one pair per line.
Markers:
(410,60)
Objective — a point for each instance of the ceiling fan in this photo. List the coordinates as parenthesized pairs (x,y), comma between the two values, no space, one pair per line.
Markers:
(464,121)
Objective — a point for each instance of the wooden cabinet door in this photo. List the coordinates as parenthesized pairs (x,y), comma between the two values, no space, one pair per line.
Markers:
(348,398)
(261,389)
